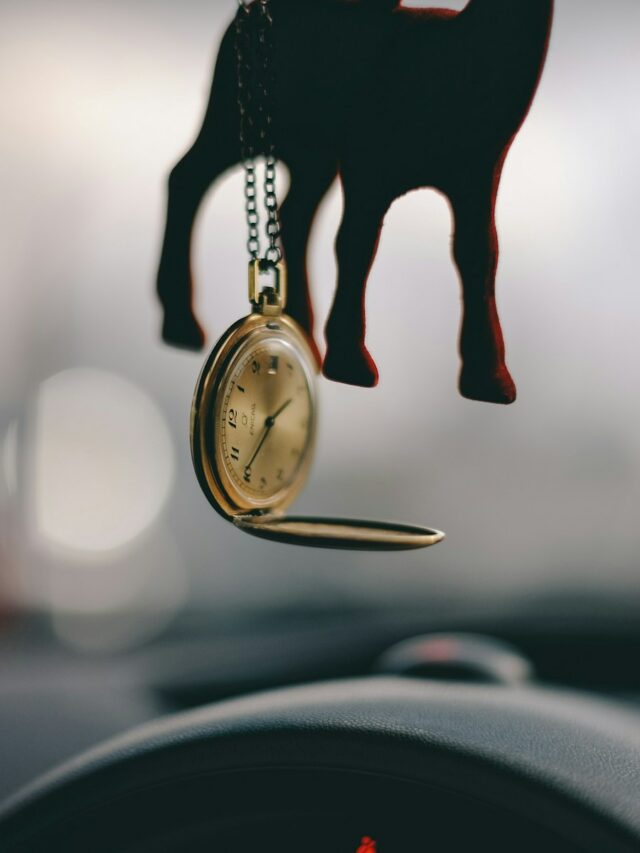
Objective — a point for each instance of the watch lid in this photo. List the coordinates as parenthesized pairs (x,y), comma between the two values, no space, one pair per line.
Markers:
(349,534)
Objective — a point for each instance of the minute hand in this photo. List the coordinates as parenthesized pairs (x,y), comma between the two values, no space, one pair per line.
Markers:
(266,432)
(268,424)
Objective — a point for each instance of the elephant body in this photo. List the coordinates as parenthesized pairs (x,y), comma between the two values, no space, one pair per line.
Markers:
(391,100)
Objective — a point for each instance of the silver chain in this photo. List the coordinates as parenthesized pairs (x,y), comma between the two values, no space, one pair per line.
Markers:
(254,55)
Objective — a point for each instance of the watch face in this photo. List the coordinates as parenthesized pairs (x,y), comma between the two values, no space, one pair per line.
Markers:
(264,421)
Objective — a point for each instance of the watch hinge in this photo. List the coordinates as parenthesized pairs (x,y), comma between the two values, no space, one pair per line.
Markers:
(258,516)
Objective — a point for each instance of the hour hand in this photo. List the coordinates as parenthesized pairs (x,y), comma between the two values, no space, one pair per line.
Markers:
(272,418)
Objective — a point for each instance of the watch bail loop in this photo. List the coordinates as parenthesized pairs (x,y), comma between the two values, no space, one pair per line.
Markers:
(272,298)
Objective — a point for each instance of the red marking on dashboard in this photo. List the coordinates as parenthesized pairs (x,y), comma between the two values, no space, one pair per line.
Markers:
(440,650)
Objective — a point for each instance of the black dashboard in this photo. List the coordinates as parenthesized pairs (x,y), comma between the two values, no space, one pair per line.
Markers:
(354,761)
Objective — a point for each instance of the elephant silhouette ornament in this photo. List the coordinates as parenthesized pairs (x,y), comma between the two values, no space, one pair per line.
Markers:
(391,99)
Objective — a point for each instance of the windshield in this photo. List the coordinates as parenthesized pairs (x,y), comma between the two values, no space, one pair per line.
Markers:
(103,522)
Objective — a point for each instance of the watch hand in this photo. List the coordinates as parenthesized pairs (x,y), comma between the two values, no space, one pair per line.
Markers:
(268,424)
(271,419)
(263,438)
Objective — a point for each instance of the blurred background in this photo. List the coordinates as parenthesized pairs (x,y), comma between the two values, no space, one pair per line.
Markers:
(106,540)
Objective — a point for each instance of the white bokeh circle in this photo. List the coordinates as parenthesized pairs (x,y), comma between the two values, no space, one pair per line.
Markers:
(102,461)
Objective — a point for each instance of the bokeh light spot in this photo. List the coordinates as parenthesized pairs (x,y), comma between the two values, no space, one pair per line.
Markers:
(103,461)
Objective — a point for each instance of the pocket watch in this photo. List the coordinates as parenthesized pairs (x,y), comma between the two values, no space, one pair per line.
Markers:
(253,426)
(253,417)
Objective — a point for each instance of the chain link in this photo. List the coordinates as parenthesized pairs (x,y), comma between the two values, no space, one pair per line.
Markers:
(256,90)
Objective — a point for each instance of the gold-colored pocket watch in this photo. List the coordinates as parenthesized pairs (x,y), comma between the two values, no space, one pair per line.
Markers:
(253,425)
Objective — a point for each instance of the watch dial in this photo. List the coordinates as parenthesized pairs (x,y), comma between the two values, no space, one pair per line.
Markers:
(265,421)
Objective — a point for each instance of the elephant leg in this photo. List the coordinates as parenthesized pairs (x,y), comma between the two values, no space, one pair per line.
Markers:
(347,359)
(188,182)
(215,151)
(484,375)
(310,181)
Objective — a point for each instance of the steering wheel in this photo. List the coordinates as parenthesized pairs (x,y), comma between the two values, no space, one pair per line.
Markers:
(383,764)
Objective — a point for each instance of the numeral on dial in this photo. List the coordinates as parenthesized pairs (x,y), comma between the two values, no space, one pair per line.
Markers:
(235,454)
